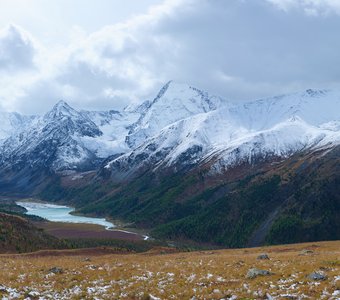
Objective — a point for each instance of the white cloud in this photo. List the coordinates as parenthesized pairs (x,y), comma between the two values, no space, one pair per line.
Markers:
(238,49)
(310,7)
(284,4)
(123,59)
(16,49)
(117,58)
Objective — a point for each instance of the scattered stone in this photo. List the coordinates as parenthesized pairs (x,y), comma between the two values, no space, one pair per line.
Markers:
(92,267)
(254,272)
(289,296)
(34,294)
(306,252)
(269,297)
(240,263)
(227,297)
(2,288)
(263,256)
(319,276)
(87,259)
(151,297)
(56,270)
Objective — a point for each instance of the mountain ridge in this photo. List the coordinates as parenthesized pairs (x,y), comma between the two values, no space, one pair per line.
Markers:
(182,123)
(188,164)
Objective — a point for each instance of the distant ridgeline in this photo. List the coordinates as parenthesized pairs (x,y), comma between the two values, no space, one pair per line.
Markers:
(188,165)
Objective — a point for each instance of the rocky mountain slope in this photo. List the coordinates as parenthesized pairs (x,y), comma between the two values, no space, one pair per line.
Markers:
(182,126)
(188,164)
(227,134)
(296,199)
(62,140)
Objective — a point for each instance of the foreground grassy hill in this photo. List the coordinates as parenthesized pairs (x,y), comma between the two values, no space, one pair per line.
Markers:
(160,275)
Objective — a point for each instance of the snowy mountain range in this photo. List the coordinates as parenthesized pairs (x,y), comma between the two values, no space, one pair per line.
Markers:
(185,126)
(182,127)
(187,165)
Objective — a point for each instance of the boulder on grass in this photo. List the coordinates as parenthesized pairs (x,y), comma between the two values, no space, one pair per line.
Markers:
(254,272)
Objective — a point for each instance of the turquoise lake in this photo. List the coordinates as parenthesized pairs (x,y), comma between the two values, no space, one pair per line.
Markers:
(60,213)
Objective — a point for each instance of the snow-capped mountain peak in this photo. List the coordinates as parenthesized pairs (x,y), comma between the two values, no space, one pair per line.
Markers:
(62,109)
(192,99)
(178,128)
(174,102)
(181,125)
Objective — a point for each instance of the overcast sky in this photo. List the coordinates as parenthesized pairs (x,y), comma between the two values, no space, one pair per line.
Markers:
(104,54)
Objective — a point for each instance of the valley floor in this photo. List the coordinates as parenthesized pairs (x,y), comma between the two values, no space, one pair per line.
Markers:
(158,274)
(80,230)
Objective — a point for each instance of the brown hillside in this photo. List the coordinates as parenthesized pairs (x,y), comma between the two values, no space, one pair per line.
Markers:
(19,235)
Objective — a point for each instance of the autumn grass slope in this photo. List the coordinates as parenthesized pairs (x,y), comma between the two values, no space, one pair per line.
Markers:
(190,275)
(17,234)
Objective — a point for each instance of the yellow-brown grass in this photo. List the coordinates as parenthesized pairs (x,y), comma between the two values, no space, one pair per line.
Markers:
(155,274)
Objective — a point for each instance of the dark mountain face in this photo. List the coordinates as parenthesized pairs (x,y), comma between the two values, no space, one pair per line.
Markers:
(270,202)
